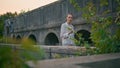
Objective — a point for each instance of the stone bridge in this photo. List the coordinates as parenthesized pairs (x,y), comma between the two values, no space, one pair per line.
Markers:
(43,24)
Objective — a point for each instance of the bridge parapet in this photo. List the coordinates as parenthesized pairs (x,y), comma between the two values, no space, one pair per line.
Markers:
(52,52)
(65,51)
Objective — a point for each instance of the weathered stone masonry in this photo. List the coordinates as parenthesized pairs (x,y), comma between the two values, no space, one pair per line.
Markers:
(43,24)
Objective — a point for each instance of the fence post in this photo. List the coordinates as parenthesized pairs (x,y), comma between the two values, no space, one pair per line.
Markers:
(50,53)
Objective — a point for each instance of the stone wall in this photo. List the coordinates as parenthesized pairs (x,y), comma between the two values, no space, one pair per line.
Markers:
(40,23)
(53,52)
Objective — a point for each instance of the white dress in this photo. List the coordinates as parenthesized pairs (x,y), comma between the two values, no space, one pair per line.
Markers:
(67,39)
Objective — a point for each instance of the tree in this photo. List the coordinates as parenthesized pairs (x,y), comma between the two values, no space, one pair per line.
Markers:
(4,17)
(104,40)
(16,56)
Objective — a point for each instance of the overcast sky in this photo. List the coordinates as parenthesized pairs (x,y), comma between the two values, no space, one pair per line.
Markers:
(18,5)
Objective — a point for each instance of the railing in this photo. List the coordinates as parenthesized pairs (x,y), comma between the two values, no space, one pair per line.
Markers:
(64,51)
(52,52)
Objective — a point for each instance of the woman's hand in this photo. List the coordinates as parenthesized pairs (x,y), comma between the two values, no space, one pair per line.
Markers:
(70,32)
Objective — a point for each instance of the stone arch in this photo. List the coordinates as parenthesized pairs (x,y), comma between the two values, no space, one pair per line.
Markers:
(33,38)
(85,35)
(18,37)
(51,39)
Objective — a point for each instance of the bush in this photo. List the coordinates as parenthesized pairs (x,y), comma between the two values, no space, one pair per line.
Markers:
(103,39)
(15,56)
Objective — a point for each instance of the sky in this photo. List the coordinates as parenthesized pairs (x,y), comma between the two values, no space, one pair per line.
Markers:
(19,5)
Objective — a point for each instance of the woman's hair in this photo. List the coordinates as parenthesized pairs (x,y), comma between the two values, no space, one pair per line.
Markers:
(69,14)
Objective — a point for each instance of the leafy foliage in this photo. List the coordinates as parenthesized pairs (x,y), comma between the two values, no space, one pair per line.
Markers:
(15,56)
(3,18)
(31,51)
(10,58)
(104,40)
